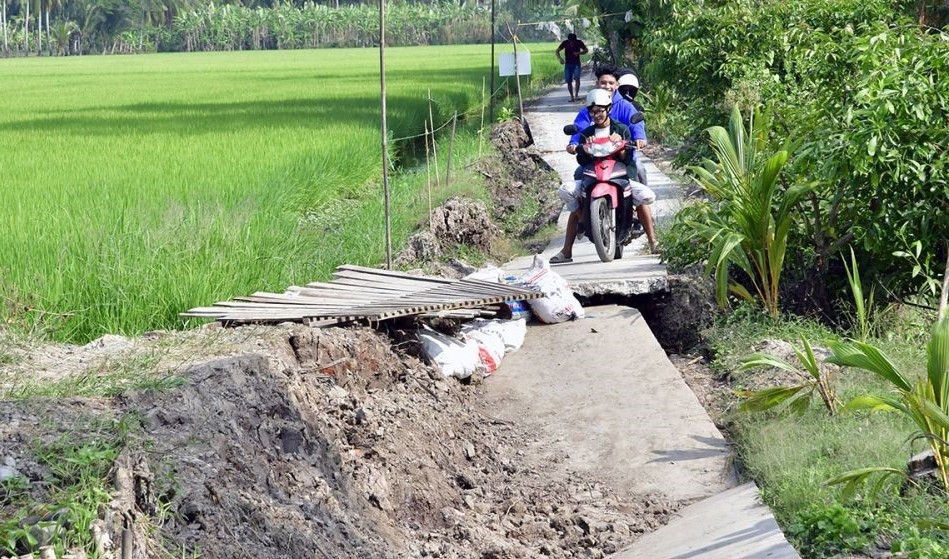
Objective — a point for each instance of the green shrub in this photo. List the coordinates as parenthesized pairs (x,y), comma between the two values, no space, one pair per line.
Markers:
(912,544)
(862,89)
(824,531)
(878,152)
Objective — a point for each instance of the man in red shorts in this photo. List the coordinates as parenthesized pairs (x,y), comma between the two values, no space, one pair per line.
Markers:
(572,48)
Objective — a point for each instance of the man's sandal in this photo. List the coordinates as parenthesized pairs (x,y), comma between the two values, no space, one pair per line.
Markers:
(559,258)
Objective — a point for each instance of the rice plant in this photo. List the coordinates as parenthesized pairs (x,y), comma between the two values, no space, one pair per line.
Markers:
(136,187)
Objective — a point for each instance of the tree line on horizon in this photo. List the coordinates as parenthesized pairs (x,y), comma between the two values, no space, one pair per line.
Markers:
(74,27)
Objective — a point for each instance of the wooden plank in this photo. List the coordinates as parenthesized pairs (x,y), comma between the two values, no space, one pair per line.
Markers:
(414,283)
(329,298)
(391,273)
(320,293)
(332,286)
(368,284)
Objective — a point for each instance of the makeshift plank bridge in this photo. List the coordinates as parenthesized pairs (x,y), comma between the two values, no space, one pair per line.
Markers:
(359,293)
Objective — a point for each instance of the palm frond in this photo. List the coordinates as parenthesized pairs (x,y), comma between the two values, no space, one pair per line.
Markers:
(855,478)
(864,356)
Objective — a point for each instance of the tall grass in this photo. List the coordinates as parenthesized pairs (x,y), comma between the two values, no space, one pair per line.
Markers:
(137,187)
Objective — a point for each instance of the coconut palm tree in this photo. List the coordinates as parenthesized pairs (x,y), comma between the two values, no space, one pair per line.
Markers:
(749,229)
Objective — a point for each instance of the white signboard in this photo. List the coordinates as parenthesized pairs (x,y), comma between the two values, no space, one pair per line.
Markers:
(506,63)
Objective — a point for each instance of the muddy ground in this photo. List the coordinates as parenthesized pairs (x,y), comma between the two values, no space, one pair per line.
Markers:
(286,441)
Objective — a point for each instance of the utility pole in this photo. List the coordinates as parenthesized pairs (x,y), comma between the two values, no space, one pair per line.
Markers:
(491,92)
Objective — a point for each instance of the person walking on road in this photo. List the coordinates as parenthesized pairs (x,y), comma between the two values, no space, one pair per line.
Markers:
(572,48)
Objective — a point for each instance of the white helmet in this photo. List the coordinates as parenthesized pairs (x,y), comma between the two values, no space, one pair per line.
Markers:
(600,97)
(628,79)
(628,86)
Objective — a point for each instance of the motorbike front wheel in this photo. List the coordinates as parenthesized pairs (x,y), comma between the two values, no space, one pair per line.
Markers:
(603,228)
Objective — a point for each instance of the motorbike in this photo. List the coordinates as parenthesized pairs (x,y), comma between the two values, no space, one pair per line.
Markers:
(608,215)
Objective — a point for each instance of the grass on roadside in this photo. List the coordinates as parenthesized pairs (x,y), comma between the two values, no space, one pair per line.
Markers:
(59,512)
(792,456)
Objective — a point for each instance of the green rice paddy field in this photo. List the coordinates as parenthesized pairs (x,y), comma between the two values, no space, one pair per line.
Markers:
(135,187)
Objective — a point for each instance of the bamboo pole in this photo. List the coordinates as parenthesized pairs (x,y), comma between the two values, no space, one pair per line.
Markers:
(384,130)
(451,142)
(434,147)
(428,176)
(491,98)
(517,74)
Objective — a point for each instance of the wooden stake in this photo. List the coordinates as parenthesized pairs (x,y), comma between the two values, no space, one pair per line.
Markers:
(428,176)
(481,130)
(491,98)
(517,74)
(434,147)
(384,130)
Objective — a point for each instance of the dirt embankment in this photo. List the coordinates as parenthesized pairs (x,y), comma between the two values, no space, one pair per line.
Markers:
(328,443)
(295,442)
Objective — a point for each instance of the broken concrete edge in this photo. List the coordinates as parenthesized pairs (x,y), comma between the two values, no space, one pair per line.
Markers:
(621,287)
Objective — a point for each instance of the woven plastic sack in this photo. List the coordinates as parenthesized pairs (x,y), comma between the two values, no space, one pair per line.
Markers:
(558,303)
(451,356)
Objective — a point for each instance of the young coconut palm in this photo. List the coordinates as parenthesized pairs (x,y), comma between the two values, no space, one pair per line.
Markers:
(925,400)
(797,397)
(750,228)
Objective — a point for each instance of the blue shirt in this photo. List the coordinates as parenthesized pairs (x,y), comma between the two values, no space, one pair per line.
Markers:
(622,112)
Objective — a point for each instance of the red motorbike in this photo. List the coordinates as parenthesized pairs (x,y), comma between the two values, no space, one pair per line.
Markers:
(609,217)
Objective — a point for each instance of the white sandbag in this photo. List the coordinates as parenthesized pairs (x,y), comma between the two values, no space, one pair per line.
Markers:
(451,356)
(494,339)
(490,350)
(558,303)
(510,332)
(488,273)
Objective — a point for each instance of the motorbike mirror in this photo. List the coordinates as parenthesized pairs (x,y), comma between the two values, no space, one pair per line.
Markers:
(570,129)
(638,117)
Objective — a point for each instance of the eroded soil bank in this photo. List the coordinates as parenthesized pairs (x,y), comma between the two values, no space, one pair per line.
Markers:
(310,443)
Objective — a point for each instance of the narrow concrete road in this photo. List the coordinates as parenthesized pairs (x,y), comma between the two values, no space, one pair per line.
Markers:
(605,396)
(607,402)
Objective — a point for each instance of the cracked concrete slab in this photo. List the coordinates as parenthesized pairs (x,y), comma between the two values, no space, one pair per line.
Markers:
(731,525)
(604,394)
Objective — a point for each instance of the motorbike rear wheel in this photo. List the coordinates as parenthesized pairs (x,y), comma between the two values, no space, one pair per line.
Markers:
(603,228)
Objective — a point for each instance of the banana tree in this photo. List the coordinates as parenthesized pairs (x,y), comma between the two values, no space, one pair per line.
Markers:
(750,229)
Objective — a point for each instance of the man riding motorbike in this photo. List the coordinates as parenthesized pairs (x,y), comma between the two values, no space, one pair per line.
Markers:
(569,193)
(608,78)
(599,105)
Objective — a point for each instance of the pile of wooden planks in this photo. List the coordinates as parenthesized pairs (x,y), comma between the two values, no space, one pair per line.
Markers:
(368,294)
